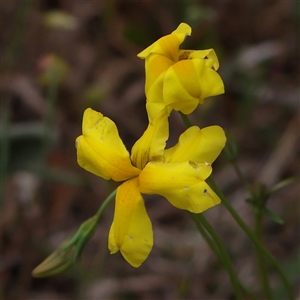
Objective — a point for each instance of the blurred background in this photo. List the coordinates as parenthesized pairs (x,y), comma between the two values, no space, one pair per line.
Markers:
(59,57)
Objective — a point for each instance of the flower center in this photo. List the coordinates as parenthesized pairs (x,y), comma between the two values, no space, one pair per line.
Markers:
(184,55)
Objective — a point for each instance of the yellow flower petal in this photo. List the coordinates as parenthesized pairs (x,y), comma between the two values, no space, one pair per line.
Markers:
(197,145)
(179,79)
(150,147)
(100,149)
(156,108)
(131,231)
(169,44)
(188,82)
(155,67)
(181,183)
(209,56)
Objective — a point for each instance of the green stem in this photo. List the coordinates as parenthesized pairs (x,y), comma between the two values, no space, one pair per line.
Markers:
(242,178)
(262,266)
(243,225)
(216,251)
(220,251)
(88,228)
(4,146)
(251,235)
(185,120)
(283,184)
(223,255)
(205,235)
(261,263)
(50,112)
(105,204)
(19,28)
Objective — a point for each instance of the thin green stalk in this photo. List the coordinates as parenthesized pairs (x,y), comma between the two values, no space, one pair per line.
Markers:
(283,184)
(216,251)
(105,204)
(221,252)
(262,266)
(252,236)
(261,263)
(243,225)
(224,255)
(18,35)
(205,235)
(4,147)
(49,117)
(242,178)
(185,120)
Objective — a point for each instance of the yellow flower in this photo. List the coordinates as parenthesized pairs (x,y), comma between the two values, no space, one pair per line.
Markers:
(178,174)
(179,79)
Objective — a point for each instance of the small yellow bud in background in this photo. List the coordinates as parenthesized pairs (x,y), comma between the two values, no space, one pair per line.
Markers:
(60,20)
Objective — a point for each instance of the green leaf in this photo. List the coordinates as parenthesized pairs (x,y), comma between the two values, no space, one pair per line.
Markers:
(272,216)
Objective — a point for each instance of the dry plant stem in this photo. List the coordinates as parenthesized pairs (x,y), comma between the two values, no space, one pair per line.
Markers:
(252,236)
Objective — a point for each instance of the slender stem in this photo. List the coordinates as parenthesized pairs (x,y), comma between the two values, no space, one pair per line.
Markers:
(243,225)
(88,228)
(220,251)
(105,204)
(251,235)
(242,178)
(284,183)
(206,236)
(224,256)
(18,34)
(262,266)
(261,263)
(185,120)
(210,242)
(4,147)
(50,111)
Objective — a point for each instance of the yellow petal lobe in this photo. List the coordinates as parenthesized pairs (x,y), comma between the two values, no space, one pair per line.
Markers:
(168,45)
(100,149)
(150,147)
(156,66)
(199,145)
(209,56)
(182,184)
(131,231)
(156,108)
(188,82)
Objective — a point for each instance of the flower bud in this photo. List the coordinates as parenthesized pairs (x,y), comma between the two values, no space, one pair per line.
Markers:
(67,253)
(60,260)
